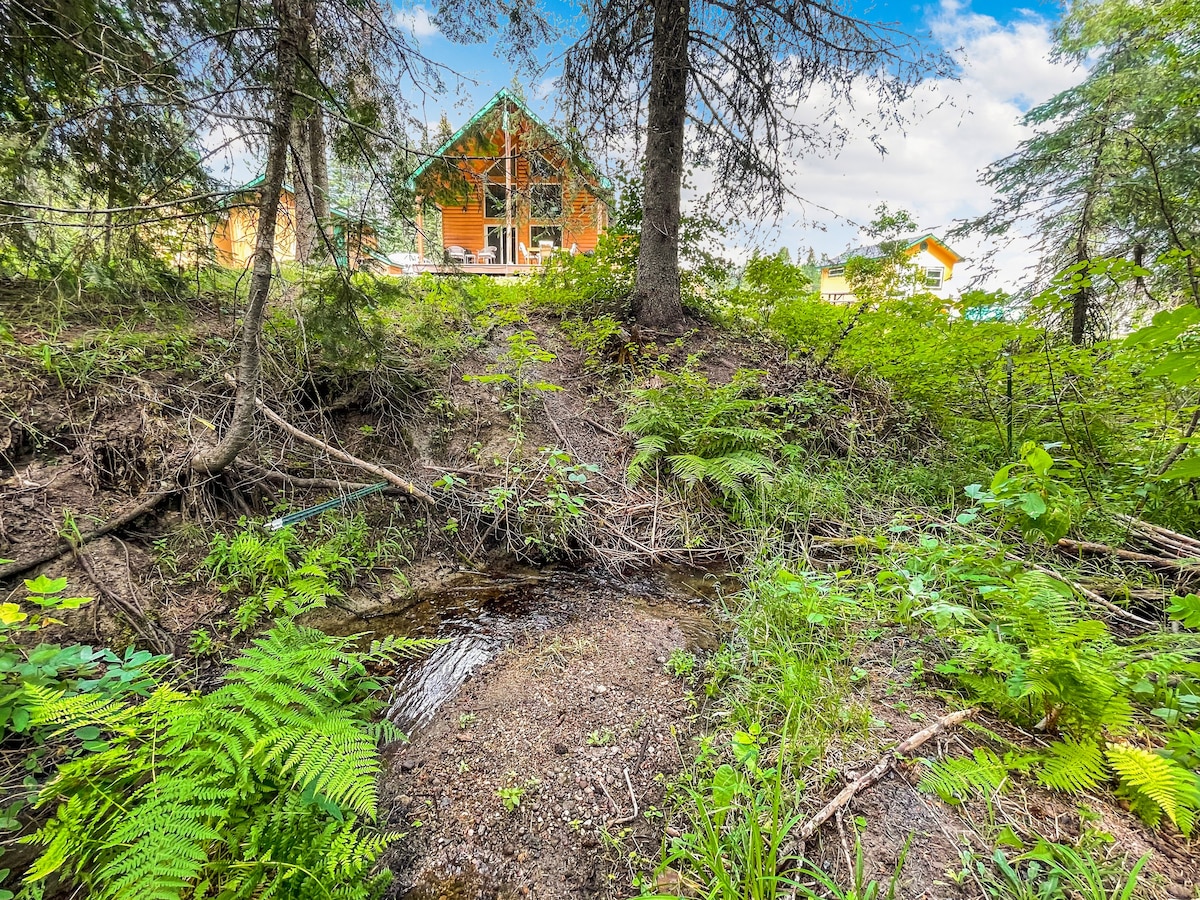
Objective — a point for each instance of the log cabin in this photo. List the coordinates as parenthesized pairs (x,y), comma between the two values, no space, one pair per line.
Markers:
(511,190)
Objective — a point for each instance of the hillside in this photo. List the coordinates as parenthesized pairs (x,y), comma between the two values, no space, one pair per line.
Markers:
(687,588)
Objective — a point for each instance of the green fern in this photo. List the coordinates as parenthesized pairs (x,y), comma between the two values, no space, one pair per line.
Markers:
(958,779)
(1072,766)
(721,435)
(1156,785)
(253,790)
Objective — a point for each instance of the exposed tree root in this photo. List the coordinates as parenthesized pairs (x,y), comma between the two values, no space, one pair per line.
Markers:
(151,633)
(148,505)
(342,456)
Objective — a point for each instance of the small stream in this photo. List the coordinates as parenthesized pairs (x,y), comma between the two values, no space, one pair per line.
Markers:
(478,615)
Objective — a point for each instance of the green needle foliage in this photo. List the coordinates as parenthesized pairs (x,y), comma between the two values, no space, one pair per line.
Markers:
(265,787)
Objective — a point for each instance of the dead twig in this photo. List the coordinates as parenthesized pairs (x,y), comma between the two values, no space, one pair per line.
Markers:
(625,820)
(881,768)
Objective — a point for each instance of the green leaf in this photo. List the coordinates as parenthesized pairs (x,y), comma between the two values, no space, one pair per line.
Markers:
(1039,460)
(724,786)
(1183,469)
(44,585)
(10,614)
(1185,610)
(1033,504)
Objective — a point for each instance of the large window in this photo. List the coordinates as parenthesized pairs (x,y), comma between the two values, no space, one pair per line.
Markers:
(934,275)
(552,234)
(494,196)
(545,201)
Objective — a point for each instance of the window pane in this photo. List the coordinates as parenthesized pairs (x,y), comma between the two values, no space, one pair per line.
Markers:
(545,201)
(540,233)
(540,167)
(494,197)
(933,277)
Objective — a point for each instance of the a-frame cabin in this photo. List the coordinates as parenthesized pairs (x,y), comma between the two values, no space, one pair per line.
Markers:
(511,191)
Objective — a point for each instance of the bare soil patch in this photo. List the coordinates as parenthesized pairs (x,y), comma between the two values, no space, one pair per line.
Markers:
(580,723)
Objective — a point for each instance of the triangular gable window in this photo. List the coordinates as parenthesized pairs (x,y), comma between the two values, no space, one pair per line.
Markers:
(540,166)
(496,172)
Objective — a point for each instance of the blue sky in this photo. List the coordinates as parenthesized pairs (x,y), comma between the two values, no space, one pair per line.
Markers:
(931,169)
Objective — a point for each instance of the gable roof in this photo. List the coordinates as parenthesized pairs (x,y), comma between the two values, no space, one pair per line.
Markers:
(876,251)
(501,96)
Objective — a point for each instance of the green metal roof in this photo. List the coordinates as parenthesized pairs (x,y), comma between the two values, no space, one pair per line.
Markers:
(500,96)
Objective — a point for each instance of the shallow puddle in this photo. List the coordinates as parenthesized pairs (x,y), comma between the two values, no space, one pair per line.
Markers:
(477,616)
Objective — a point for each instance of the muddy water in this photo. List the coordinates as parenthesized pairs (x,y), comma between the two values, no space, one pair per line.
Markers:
(477,615)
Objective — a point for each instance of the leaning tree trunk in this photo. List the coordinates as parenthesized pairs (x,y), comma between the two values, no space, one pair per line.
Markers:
(241,426)
(656,299)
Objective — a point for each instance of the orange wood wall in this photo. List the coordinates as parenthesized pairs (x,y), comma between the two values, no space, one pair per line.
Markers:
(585,215)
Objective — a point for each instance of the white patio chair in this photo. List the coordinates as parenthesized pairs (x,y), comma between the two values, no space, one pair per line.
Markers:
(486,256)
(528,254)
(459,254)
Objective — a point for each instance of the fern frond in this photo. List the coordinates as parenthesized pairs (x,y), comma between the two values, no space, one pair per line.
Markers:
(1163,782)
(1072,766)
(957,779)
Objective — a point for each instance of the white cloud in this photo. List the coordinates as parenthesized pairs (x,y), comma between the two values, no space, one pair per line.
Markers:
(932,168)
(417,21)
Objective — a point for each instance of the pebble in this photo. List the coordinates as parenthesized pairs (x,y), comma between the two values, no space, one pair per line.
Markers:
(599,689)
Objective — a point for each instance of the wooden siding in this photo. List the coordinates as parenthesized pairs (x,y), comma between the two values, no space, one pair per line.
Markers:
(236,234)
(464,223)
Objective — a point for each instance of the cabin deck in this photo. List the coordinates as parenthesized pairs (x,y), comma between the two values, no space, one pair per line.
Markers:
(496,269)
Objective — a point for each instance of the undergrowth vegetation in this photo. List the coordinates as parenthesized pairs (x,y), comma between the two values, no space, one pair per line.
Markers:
(964,511)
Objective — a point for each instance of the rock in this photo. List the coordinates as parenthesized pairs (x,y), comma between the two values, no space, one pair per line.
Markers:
(407,765)
(598,689)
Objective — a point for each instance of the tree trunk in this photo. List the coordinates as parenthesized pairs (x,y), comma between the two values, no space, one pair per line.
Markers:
(656,300)
(1081,300)
(241,426)
(310,180)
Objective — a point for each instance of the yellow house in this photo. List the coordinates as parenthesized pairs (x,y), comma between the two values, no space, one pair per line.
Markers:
(932,259)
(234,240)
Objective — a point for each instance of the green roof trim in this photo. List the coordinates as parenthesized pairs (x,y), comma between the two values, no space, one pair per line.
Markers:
(502,95)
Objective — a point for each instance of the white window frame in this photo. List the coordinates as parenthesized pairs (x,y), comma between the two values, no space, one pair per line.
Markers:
(935,272)
(837,271)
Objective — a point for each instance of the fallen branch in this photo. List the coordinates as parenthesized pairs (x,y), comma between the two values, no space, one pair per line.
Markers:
(63,547)
(296,481)
(1156,534)
(881,768)
(341,455)
(1086,592)
(1081,547)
